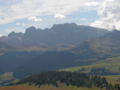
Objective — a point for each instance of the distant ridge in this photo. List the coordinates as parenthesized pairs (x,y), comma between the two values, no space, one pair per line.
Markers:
(67,34)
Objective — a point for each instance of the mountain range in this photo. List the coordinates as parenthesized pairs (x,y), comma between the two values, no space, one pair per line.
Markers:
(59,34)
(36,50)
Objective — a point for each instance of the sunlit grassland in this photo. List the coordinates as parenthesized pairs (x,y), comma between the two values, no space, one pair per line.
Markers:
(46,87)
(113,79)
(111,64)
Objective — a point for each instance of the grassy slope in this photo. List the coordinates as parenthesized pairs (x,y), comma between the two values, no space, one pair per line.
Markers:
(6,76)
(24,87)
(111,64)
(113,79)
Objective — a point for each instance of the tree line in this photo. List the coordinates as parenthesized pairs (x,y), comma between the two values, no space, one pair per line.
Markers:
(69,78)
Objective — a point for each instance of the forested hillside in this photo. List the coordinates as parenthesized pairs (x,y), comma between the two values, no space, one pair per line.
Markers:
(68,78)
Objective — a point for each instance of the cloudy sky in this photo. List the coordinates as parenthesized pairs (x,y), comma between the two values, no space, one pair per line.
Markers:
(16,15)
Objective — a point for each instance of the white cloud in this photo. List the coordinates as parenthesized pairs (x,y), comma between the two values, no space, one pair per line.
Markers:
(20,24)
(29,8)
(92,3)
(1,35)
(109,15)
(35,19)
(60,16)
(9,30)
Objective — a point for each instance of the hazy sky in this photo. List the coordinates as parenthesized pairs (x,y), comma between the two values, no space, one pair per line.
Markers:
(16,15)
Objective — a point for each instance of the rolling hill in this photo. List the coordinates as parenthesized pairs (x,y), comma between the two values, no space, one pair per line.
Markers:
(89,52)
(106,50)
(110,66)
